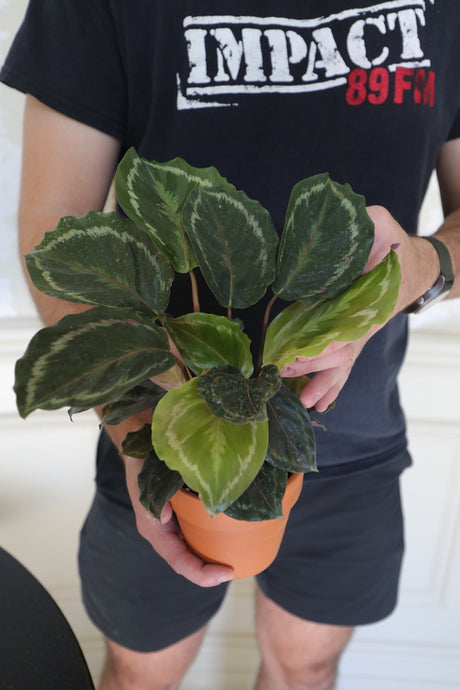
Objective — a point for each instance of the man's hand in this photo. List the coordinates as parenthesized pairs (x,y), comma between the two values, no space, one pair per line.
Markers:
(166,538)
(331,370)
(419,268)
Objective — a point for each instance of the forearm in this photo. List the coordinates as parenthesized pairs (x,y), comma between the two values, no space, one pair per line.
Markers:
(117,432)
(449,233)
(67,168)
(420,264)
(448,174)
(33,224)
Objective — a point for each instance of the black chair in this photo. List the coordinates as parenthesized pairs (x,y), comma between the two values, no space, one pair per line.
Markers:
(38,649)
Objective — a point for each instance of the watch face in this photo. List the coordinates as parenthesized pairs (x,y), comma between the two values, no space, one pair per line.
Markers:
(442,286)
(434,294)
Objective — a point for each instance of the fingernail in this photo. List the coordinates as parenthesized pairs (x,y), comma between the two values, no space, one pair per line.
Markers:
(287,371)
(224,578)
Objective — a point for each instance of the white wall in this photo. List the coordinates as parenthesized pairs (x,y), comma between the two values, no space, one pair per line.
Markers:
(46,471)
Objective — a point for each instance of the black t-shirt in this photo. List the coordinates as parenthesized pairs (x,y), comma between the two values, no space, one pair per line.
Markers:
(269,93)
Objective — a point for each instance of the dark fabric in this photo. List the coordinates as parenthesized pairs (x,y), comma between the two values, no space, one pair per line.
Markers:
(269,93)
(129,592)
(341,557)
(339,562)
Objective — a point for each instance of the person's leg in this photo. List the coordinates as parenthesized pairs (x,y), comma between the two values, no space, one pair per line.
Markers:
(125,669)
(296,654)
(153,618)
(338,567)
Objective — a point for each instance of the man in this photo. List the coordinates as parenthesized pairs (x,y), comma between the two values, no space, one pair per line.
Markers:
(269,94)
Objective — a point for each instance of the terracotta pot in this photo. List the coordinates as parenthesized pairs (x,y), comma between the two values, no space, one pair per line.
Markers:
(248,547)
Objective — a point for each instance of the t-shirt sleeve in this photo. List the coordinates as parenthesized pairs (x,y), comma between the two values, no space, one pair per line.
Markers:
(66,54)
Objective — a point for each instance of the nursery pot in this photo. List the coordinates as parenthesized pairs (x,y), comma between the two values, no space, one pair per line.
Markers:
(247,547)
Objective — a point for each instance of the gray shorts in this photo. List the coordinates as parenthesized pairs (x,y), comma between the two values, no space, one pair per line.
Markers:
(339,562)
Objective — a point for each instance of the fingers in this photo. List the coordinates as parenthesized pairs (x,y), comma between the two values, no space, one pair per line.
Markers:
(166,538)
(334,355)
(388,235)
(331,371)
(323,389)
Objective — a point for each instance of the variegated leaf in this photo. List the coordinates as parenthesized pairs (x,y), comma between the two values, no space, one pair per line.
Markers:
(231,395)
(215,458)
(208,340)
(291,440)
(152,194)
(303,330)
(326,240)
(89,359)
(263,499)
(137,444)
(157,484)
(173,377)
(235,244)
(145,396)
(101,259)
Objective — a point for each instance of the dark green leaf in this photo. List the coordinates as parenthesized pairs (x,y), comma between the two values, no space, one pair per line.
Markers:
(157,484)
(291,440)
(326,240)
(235,398)
(89,359)
(101,259)
(138,443)
(145,396)
(262,500)
(235,244)
(207,340)
(152,194)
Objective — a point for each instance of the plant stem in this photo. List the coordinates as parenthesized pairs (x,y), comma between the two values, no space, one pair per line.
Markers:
(195,298)
(264,333)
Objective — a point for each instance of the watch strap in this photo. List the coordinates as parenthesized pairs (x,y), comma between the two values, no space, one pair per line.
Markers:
(444,259)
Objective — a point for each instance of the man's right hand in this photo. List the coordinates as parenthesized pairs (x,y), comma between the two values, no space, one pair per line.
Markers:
(166,538)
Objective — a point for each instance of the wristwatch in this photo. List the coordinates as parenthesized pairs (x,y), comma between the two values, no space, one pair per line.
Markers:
(442,286)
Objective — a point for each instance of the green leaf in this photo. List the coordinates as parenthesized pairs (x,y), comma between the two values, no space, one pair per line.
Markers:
(296,384)
(326,240)
(215,458)
(235,243)
(262,500)
(291,440)
(207,340)
(237,399)
(145,396)
(101,259)
(157,484)
(137,444)
(175,376)
(152,194)
(303,330)
(89,359)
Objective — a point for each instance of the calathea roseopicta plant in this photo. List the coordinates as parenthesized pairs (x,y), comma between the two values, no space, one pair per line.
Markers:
(224,422)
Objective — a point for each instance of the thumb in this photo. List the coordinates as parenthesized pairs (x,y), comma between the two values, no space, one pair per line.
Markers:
(166,513)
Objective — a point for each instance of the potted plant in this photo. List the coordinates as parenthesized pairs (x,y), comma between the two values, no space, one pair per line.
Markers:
(224,423)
